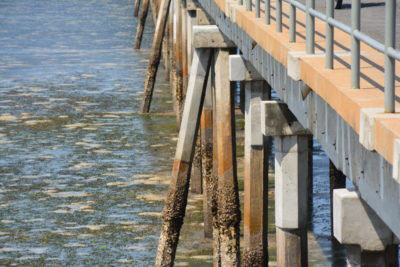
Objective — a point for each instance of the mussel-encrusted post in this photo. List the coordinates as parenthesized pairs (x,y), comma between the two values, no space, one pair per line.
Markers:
(228,194)
(155,56)
(174,209)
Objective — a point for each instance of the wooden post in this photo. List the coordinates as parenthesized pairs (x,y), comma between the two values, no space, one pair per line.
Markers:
(136,10)
(154,60)
(142,22)
(196,185)
(336,180)
(228,195)
(174,209)
(177,66)
(209,183)
(255,162)
(154,10)
(291,246)
(255,178)
(214,178)
(185,73)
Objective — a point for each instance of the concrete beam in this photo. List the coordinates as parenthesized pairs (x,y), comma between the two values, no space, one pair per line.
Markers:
(209,36)
(242,70)
(291,179)
(355,223)
(396,160)
(294,58)
(278,120)
(203,18)
(367,125)
(191,5)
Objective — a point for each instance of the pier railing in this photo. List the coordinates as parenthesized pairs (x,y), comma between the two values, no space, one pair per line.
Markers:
(387,48)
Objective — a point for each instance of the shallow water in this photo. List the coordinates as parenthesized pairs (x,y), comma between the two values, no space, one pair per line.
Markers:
(82,175)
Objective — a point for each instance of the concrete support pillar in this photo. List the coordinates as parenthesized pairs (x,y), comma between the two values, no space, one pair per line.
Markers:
(291,182)
(336,180)
(255,163)
(369,242)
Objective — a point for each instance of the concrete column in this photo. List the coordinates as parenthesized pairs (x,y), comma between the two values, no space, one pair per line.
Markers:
(336,180)
(291,182)
(369,242)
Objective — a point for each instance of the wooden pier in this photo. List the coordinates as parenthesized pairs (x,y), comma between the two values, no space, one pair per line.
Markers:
(208,46)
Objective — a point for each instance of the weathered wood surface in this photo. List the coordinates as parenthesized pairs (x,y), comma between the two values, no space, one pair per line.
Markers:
(154,10)
(214,181)
(196,183)
(228,195)
(136,9)
(291,247)
(177,61)
(185,73)
(174,209)
(155,56)
(255,177)
(209,181)
(141,24)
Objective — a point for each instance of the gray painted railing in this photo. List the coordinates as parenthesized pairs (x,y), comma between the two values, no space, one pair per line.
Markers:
(388,48)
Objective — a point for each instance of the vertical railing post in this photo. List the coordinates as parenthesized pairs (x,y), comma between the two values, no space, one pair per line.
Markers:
(390,63)
(268,12)
(249,5)
(329,31)
(292,25)
(257,8)
(279,15)
(310,27)
(355,44)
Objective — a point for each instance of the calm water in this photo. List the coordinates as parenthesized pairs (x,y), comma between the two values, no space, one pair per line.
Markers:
(82,175)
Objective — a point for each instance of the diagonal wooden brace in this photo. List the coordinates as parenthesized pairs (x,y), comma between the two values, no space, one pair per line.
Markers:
(174,209)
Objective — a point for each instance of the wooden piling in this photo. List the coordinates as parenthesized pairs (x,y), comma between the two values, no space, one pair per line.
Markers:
(185,73)
(196,184)
(209,181)
(255,178)
(154,59)
(228,195)
(141,24)
(291,245)
(154,10)
(177,61)
(174,209)
(136,9)
(213,186)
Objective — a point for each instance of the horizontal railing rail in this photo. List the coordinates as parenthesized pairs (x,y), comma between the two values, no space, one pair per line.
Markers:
(387,48)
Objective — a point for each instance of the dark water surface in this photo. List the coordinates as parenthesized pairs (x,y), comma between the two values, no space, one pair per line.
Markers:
(82,175)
